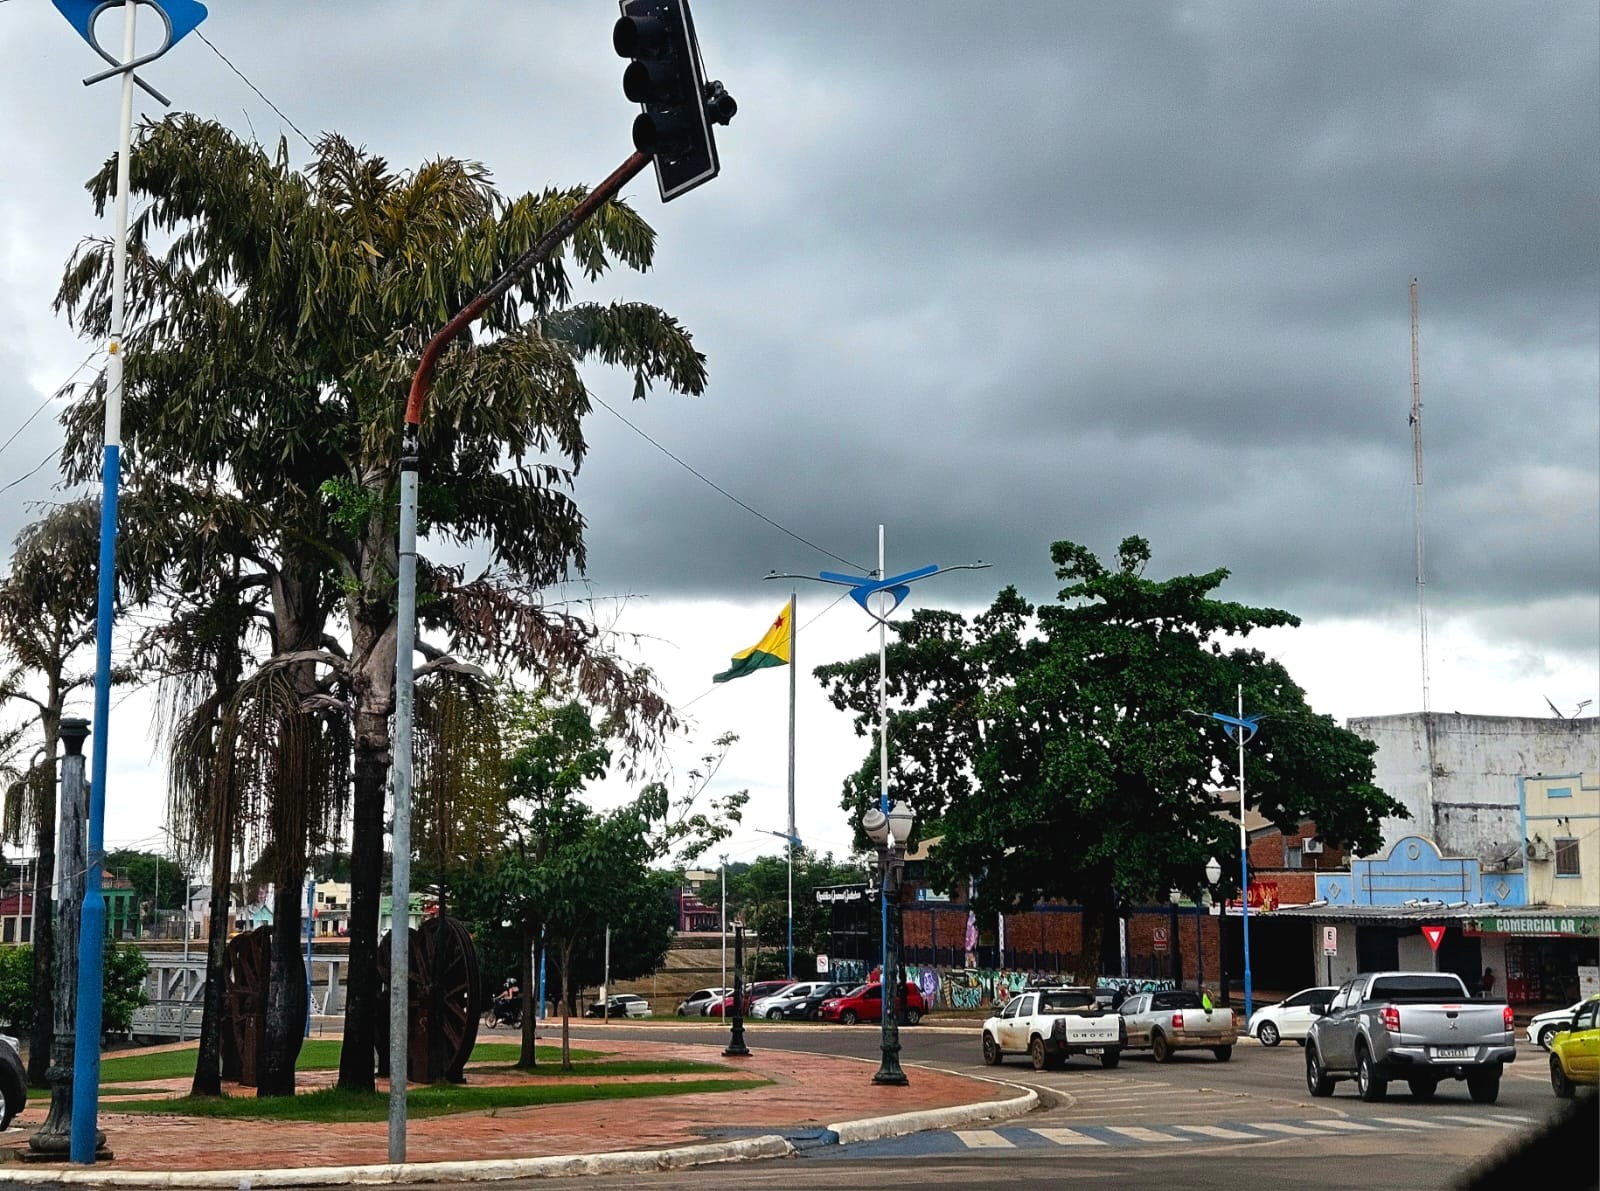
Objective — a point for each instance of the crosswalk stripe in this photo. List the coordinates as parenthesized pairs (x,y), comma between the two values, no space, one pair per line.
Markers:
(1289,1130)
(984,1139)
(1067,1137)
(1219,1132)
(1511,1116)
(1349,1125)
(1466,1120)
(1409,1123)
(1139,1133)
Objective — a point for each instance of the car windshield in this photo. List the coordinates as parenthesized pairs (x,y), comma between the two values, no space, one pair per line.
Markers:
(1067,1000)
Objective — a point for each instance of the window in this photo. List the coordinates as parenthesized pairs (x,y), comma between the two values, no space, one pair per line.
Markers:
(1292,857)
(1566,857)
(1585,1017)
(1011,1009)
(1558,792)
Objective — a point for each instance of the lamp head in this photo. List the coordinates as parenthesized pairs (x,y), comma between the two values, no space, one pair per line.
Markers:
(1213,871)
(876,825)
(901,820)
(1174,895)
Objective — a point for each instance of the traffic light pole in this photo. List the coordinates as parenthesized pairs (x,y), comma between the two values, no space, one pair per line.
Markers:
(406,630)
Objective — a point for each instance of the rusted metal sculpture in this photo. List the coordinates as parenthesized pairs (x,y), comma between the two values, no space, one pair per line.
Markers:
(246,973)
(445,1002)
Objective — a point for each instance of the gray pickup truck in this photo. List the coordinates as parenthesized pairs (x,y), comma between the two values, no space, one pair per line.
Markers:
(1420,1027)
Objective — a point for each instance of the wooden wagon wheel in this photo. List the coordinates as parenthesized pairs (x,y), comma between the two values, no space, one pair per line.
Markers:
(444,1004)
(245,973)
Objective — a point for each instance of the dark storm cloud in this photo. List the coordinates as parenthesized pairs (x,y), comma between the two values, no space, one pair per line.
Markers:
(994,275)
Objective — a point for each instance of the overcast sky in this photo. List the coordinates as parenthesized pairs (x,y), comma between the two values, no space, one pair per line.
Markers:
(991,275)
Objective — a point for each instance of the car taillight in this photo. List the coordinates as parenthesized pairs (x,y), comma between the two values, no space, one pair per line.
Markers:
(1505,1015)
(1177,1020)
(1391,1018)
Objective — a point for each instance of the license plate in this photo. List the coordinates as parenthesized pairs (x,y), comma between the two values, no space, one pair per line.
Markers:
(1450,1052)
(1095,1050)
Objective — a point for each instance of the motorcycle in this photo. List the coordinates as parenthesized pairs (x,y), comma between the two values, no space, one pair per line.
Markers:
(505,1009)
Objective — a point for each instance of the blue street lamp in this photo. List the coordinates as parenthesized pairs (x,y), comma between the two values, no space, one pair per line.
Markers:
(1242,727)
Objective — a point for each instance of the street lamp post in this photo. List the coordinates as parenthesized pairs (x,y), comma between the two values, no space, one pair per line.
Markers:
(1213,874)
(736,1047)
(1174,896)
(1242,727)
(890,832)
(793,841)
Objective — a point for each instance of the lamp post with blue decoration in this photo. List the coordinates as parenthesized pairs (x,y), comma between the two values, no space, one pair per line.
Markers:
(179,18)
(1242,727)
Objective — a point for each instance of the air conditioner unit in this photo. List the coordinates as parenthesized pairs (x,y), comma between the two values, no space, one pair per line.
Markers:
(1311,847)
(1539,850)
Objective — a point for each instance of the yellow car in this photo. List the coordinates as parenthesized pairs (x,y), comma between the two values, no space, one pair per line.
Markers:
(1575,1053)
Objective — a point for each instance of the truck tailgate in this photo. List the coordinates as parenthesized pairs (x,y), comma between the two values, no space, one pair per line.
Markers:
(1088,1031)
(1454,1028)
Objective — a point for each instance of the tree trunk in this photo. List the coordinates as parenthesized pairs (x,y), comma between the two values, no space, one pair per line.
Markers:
(566,1011)
(208,1061)
(42,1034)
(526,966)
(286,989)
(356,1057)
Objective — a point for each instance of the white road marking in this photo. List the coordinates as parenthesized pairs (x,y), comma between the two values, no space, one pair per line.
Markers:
(1490,1121)
(1139,1133)
(984,1139)
(1219,1132)
(1409,1123)
(1347,1125)
(1068,1137)
(1290,1130)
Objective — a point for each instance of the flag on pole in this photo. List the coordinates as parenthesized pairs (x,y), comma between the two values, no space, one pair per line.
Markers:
(774,649)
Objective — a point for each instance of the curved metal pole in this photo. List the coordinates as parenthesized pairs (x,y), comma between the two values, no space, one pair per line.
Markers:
(400,770)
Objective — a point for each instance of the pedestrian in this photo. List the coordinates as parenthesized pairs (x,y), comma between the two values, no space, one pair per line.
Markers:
(1487,983)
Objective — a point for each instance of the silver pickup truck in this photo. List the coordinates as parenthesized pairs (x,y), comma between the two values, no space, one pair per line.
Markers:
(1420,1027)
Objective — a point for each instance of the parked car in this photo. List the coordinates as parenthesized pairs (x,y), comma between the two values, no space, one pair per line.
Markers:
(621,1005)
(752,992)
(1575,1053)
(865,1003)
(1290,1018)
(13,1082)
(772,1006)
(809,1007)
(1049,1024)
(1176,1019)
(1544,1027)
(694,1005)
(1422,1027)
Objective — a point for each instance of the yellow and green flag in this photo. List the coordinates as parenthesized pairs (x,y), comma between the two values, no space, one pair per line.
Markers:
(775,649)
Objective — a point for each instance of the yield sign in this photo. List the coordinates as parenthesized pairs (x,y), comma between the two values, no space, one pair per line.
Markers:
(1433,934)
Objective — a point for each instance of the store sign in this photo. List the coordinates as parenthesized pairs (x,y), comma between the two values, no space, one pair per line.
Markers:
(1549,925)
(1264,895)
(835,894)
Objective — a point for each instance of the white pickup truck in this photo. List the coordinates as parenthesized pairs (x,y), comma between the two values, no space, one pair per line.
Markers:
(1049,1024)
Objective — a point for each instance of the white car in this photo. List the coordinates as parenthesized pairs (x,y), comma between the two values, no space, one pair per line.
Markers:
(1543,1028)
(1289,1018)
(772,1006)
(694,1005)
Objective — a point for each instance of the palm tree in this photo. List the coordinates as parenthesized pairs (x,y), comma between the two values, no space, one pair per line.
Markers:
(270,347)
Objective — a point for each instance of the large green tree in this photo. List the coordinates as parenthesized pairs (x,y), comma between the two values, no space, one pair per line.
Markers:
(1064,752)
(275,320)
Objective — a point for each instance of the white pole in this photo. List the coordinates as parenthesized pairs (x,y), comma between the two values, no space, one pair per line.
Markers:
(883,766)
(794,642)
(724,912)
(1244,861)
(605,988)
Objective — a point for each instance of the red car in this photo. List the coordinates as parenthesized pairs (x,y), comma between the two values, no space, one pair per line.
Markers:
(865,1003)
(752,993)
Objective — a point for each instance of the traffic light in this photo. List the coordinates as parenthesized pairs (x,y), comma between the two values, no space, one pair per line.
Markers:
(666,79)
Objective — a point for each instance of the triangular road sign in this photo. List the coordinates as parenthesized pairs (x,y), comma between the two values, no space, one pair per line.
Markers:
(1433,934)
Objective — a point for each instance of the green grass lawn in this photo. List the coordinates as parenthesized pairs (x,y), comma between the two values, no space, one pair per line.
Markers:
(318,1054)
(331,1105)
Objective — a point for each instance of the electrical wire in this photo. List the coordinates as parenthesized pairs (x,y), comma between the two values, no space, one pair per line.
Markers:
(255,88)
(712,484)
(41,407)
(34,472)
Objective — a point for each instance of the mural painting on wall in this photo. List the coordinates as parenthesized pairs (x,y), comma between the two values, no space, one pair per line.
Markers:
(983,988)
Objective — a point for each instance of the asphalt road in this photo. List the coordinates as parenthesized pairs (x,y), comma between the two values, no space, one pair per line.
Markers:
(1193,1121)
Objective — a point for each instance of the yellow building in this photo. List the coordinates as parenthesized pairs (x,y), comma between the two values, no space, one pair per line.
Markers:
(1561,824)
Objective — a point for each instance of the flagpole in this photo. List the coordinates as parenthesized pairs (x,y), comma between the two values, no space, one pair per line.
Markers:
(794,636)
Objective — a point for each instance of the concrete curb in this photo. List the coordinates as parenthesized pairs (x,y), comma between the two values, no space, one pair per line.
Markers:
(874,1128)
(556,1166)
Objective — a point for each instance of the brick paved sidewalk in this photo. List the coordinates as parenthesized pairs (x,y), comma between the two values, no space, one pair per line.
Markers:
(808,1092)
